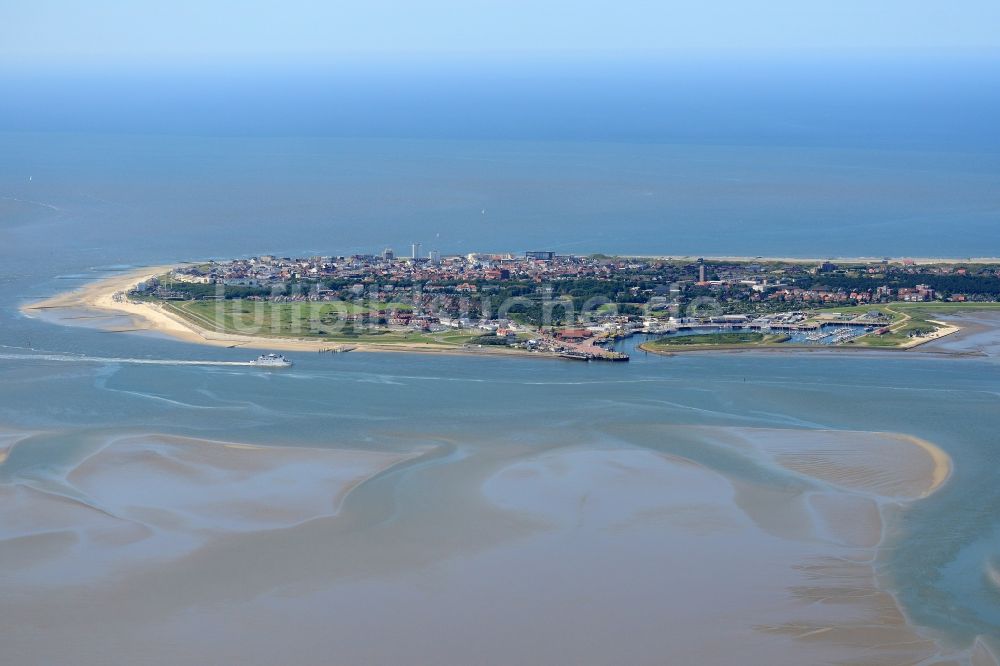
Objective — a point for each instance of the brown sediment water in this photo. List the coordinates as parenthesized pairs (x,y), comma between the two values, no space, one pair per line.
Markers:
(624,545)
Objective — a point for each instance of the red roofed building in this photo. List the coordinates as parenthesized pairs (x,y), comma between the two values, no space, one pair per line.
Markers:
(573,334)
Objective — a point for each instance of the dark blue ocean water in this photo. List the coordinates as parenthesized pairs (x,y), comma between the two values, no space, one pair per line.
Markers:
(809,156)
(655,164)
(340,196)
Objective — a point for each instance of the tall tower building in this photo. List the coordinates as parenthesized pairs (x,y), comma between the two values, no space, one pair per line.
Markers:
(415,251)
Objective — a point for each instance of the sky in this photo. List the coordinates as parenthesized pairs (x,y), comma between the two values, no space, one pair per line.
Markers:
(135,31)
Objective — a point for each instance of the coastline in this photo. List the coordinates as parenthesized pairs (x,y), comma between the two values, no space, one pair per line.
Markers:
(916,345)
(99,296)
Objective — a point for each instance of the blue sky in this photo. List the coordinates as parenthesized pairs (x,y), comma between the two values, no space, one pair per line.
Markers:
(56,31)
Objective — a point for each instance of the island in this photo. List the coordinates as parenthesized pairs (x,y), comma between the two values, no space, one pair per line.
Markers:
(542,303)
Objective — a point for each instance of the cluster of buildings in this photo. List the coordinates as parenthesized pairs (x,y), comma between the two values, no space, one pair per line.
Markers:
(828,283)
(919,293)
(458,271)
(881,294)
(433,292)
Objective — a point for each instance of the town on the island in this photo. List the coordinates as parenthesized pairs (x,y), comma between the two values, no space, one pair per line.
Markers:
(577,307)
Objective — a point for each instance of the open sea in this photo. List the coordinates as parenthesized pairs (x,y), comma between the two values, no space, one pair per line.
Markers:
(80,203)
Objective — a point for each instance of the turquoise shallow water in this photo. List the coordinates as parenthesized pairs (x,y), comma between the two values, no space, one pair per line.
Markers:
(98,205)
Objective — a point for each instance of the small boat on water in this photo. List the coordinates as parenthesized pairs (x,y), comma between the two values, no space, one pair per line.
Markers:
(271,361)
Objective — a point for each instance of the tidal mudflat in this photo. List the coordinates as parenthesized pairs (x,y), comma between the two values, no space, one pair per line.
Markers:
(695,542)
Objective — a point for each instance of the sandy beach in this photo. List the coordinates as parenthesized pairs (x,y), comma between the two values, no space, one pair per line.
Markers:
(410,203)
(99,297)
(757,544)
(976,334)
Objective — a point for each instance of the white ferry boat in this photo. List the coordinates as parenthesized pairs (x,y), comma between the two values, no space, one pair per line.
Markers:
(271,361)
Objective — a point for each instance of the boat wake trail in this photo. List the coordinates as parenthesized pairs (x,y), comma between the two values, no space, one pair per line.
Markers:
(70,358)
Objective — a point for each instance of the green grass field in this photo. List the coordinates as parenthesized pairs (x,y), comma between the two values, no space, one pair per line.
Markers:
(910,318)
(320,320)
(733,339)
(906,318)
(324,321)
